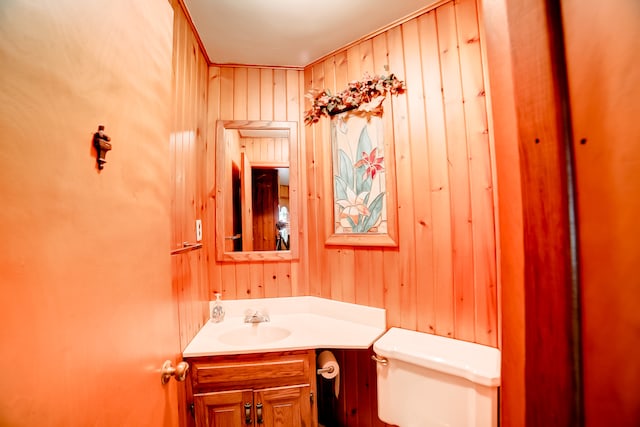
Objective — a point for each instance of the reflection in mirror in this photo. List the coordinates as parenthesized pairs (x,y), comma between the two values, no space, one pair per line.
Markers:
(256,190)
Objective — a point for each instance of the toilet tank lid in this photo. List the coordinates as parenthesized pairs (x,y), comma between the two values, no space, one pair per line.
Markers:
(475,362)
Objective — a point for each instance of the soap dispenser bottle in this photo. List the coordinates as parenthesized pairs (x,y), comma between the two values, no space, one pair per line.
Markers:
(217,312)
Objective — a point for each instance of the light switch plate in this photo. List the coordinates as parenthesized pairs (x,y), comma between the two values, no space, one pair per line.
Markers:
(198,230)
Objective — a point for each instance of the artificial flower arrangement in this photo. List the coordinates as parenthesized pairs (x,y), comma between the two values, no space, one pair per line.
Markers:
(359,182)
(365,95)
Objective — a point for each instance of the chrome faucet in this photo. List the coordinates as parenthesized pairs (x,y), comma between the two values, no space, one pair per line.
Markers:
(255,316)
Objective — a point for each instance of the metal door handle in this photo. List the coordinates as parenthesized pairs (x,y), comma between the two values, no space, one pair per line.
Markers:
(247,413)
(259,413)
(167,371)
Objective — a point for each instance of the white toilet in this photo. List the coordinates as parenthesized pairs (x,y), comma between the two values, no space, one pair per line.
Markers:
(426,380)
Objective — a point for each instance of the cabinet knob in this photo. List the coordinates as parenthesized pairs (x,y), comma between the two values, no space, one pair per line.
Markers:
(180,371)
(247,413)
(259,413)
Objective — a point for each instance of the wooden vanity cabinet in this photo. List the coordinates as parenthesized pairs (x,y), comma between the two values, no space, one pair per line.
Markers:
(261,390)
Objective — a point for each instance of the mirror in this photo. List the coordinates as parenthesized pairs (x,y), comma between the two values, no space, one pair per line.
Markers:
(256,190)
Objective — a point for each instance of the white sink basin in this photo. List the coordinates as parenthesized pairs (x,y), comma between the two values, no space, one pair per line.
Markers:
(254,333)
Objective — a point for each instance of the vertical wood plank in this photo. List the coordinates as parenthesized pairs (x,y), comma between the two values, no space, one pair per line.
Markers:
(240,93)
(280,95)
(421,183)
(254,92)
(352,388)
(378,61)
(354,64)
(202,297)
(324,185)
(439,178)
(406,280)
(284,279)
(294,92)
(314,78)
(226,93)
(214,90)
(271,279)
(227,285)
(243,281)
(256,275)
(480,174)
(457,156)
(342,283)
(266,94)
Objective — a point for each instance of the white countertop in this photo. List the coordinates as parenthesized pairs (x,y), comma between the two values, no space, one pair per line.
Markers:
(307,322)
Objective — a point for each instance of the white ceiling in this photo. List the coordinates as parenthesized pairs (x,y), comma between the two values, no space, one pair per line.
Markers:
(292,33)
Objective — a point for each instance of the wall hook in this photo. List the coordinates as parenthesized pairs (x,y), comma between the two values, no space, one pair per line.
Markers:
(101,142)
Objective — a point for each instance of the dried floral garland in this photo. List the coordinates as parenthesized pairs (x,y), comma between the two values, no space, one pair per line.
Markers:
(366,95)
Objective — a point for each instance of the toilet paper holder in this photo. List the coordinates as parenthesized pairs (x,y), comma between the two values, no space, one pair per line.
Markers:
(326,370)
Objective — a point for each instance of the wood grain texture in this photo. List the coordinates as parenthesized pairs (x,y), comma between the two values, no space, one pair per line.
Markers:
(503,127)
(87,307)
(281,381)
(252,94)
(188,161)
(356,403)
(604,92)
(442,277)
(252,370)
(551,389)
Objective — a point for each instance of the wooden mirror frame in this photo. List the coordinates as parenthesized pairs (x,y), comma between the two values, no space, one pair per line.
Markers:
(222,196)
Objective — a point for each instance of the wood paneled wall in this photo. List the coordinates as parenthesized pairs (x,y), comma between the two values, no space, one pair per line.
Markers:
(442,277)
(266,150)
(251,93)
(187,145)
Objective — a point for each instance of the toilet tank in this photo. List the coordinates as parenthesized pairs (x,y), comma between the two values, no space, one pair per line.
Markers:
(427,380)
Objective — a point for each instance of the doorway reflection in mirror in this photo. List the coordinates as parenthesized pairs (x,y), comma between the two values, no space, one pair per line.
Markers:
(282,238)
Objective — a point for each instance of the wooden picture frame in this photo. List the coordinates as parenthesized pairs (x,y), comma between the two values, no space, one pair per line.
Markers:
(363,208)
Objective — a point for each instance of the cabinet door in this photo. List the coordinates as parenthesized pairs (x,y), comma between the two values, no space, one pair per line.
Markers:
(284,406)
(224,409)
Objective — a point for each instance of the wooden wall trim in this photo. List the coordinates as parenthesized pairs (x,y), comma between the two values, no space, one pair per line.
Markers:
(503,134)
(558,56)
(551,386)
(253,66)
